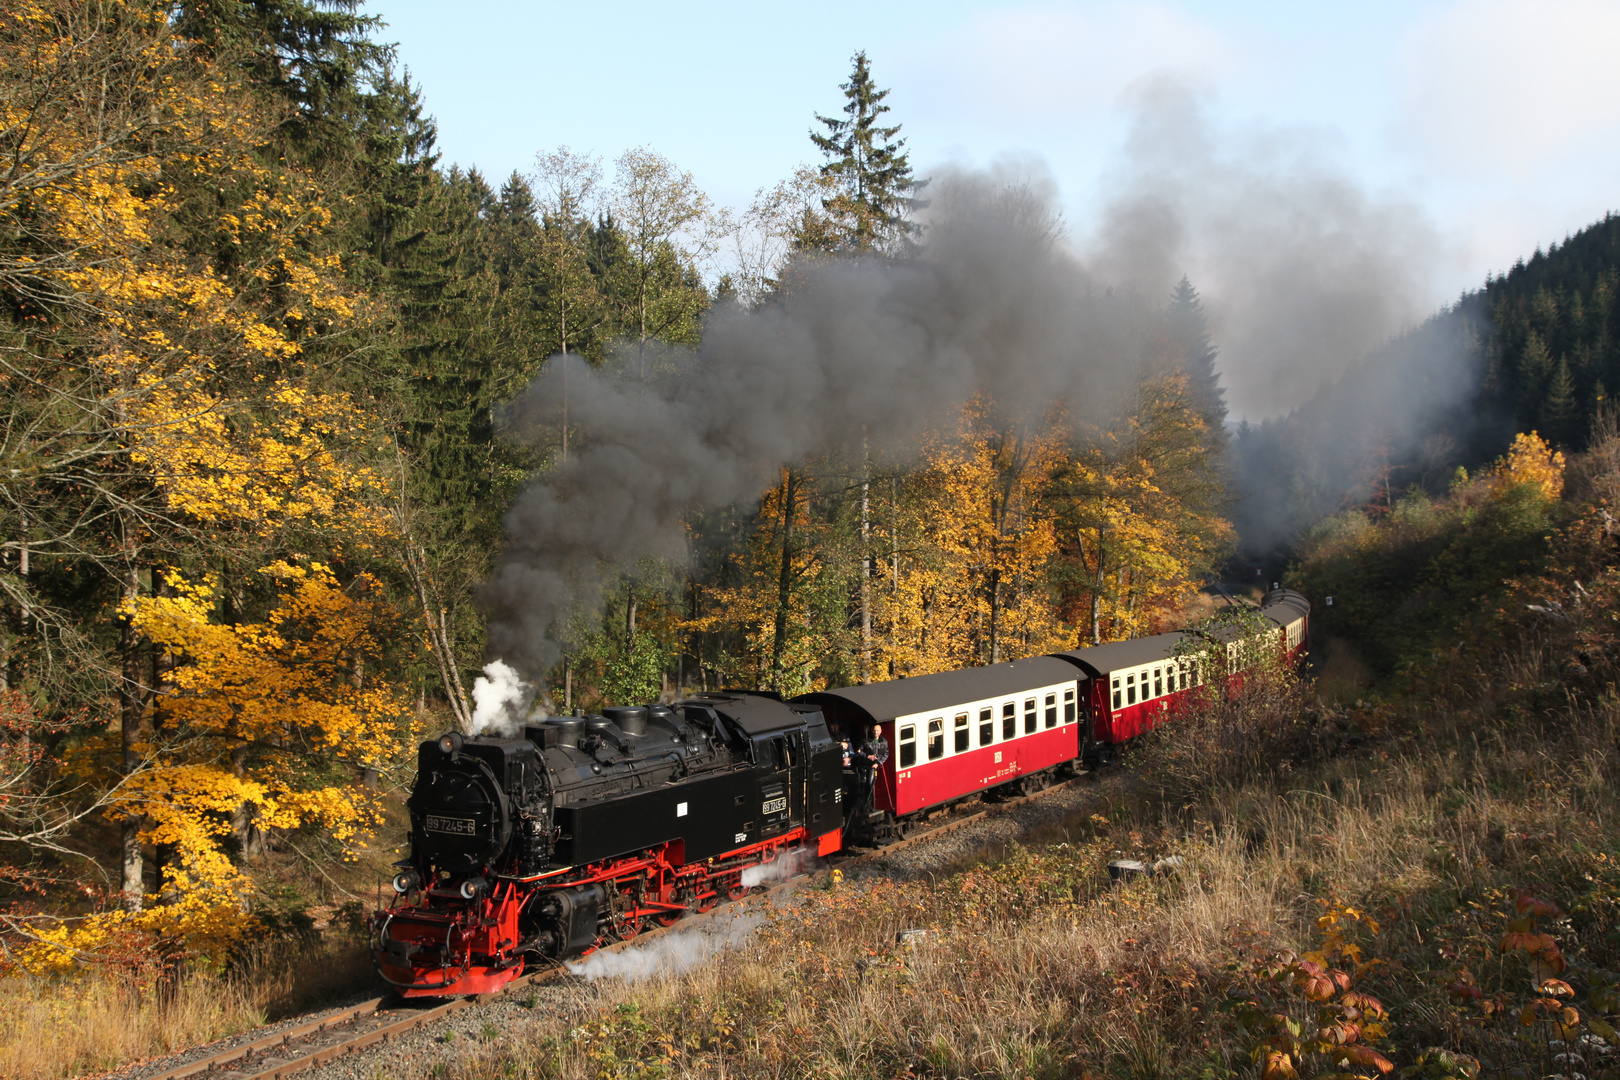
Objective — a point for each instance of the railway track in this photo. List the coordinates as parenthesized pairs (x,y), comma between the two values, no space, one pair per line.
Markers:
(359,1027)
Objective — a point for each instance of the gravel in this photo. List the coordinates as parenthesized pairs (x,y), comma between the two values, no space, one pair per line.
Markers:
(139,1070)
(519,1016)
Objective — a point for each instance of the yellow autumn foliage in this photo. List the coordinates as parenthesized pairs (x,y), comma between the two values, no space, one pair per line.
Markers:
(264,468)
(1530,460)
(268,722)
(1139,520)
(974,589)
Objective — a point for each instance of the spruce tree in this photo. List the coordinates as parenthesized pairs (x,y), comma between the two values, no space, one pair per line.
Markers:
(1195,355)
(870,170)
(1559,416)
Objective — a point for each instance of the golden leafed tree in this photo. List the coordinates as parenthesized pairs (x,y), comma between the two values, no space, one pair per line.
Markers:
(1140,515)
(170,426)
(971,544)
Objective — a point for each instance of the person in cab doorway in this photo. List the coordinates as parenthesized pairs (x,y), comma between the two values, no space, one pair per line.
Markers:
(869,758)
(875,750)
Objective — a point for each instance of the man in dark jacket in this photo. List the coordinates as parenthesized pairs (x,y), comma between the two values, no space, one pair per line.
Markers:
(875,750)
(869,759)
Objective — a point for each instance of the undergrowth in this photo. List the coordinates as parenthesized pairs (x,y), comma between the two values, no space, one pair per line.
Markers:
(65,1027)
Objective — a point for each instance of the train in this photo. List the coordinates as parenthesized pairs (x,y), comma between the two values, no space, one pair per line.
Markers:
(581,831)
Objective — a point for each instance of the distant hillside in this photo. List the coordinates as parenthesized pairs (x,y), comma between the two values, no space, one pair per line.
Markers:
(1537,348)
(1554,351)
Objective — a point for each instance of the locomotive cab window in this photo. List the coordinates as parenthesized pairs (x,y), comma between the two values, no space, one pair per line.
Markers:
(1031,717)
(1051,710)
(1068,706)
(908,746)
(936,738)
(1009,720)
(1119,694)
(1130,689)
(987,726)
(963,732)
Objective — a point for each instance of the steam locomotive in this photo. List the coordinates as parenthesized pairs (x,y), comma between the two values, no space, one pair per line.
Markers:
(586,830)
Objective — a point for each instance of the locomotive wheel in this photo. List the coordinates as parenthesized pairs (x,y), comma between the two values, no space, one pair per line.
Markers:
(670,918)
(706,903)
(628,927)
(736,890)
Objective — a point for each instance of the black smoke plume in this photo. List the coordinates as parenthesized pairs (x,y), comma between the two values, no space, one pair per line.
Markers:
(873,352)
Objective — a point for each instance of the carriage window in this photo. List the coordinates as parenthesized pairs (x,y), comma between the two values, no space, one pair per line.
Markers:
(987,727)
(1158,682)
(936,738)
(963,732)
(1119,698)
(908,746)
(1031,718)
(1130,689)
(1068,706)
(1009,720)
(1051,710)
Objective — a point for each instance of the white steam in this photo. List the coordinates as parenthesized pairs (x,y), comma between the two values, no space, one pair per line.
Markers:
(790,865)
(671,954)
(499,697)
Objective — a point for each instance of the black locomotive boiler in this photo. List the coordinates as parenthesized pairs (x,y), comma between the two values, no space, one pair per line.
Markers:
(584,829)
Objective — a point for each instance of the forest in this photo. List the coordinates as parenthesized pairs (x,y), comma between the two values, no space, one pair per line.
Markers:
(264,356)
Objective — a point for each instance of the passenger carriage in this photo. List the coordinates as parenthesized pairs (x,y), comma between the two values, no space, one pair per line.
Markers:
(959,733)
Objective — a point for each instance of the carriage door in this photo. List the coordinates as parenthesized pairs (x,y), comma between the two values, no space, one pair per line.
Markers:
(780,762)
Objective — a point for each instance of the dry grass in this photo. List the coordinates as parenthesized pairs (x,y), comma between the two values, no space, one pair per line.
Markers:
(55,1028)
(1038,966)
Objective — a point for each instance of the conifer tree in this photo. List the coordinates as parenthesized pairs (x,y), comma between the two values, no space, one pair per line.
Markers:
(1559,418)
(873,182)
(1193,353)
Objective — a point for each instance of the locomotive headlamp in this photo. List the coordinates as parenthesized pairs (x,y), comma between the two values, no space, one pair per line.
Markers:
(449,742)
(406,880)
(473,887)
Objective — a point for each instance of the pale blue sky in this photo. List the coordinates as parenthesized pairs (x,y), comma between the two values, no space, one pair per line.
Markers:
(1496,118)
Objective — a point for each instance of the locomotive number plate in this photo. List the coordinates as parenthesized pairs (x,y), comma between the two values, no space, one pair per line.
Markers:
(775,806)
(455,826)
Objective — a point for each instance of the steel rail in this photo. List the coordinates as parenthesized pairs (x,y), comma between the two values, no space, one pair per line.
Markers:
(274,1056)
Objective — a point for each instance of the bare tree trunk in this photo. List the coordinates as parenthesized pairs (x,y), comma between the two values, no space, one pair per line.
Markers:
(563,321)
(243,824)
(995,615)
(866,570)
(438,635)
(132,703)
(784,580)
(1096,592)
